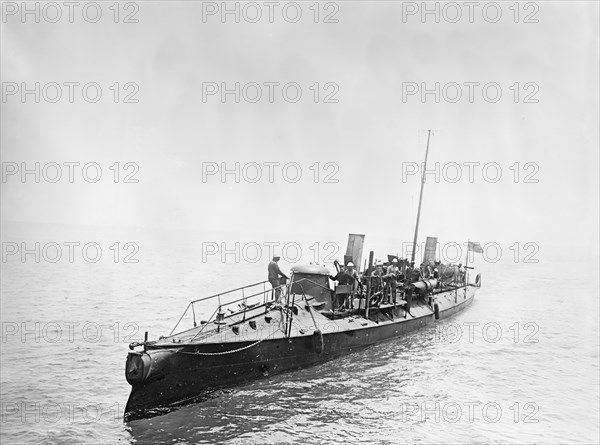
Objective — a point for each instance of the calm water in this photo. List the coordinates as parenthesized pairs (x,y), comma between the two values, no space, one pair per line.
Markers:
(520,365)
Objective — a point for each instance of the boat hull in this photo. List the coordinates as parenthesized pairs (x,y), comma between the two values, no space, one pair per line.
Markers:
(183,374)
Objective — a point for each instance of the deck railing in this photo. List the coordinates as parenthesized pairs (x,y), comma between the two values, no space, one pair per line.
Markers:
(268,298)
(219,296)
(246,295)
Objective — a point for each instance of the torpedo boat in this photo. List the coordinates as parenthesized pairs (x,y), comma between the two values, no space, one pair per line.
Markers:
(256,331)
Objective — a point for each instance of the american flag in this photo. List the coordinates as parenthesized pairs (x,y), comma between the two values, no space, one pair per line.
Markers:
(475,247)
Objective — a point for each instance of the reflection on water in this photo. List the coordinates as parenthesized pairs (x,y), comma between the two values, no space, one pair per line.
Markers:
(519,365)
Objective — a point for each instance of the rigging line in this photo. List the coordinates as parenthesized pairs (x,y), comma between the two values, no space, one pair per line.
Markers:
(232,351)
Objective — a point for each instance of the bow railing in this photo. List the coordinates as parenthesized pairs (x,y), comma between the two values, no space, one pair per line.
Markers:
(247,292)
(247,302)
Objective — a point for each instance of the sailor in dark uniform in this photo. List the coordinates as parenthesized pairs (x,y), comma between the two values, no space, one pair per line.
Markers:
(378,274)
(347,276)
(409,273)
(342,277)
(427,271)
(416,274)
(274,273)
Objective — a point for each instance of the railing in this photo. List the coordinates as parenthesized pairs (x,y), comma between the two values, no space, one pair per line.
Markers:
(218,296)
(219,314)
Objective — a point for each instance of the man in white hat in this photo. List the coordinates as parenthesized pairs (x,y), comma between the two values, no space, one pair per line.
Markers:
(351,271)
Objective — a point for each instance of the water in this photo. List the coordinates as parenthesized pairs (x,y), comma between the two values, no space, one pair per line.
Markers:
(533,381)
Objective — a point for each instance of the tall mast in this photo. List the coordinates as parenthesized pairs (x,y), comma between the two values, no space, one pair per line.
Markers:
(412,258)
(467,268)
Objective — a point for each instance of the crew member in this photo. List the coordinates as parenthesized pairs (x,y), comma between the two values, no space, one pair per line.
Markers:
(412,274)
(403,266)
(274,273)
(350,270)
(378,272)
(461,274)
(428,271)
(377,277)
(392,276)
(347,276)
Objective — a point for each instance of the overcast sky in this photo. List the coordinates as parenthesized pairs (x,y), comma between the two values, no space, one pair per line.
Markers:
(365,61)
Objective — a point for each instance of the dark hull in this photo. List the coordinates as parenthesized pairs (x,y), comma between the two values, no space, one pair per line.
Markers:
(185,374)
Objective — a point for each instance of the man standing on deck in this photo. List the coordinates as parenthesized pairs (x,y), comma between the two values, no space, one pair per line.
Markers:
(392,275)
(350,270)
(415,273)
(274,273)
(409,273)
(461,274)
(377,284)
(347,276)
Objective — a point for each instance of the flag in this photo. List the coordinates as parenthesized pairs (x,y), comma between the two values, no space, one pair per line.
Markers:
(475,247)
